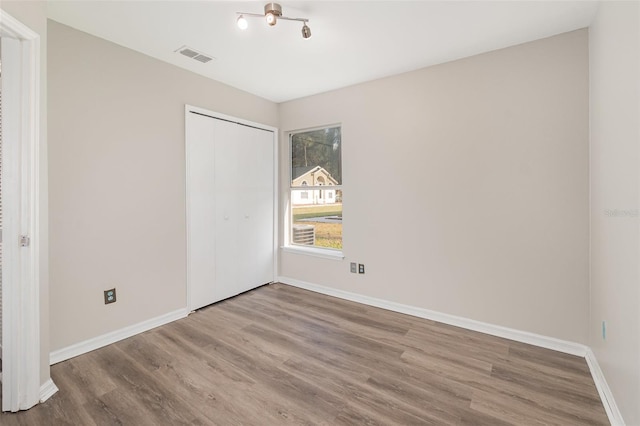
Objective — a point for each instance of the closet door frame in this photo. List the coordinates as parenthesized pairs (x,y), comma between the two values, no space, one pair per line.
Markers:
(190,109)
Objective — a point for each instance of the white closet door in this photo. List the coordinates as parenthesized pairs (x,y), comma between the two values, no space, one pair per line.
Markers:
(256,208)
(201,210)
(244,224)
(227,219)
(230,196)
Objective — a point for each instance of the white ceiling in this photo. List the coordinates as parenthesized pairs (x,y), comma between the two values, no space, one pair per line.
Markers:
(352,42)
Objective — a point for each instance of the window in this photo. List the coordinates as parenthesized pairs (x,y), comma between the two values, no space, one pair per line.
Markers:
(316,211)
(304,194)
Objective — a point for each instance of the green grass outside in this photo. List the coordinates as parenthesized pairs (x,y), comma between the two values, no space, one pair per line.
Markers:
(328,235)
(316,211)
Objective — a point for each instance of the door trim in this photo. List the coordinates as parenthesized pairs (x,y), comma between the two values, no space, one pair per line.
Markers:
(20,267)
(188,109)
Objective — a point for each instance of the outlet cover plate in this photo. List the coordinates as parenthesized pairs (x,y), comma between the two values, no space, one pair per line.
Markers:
(110,296)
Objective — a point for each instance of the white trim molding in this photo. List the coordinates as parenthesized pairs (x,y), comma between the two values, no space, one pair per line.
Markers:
(314,251)
(47,390)
(482,327)
(572,348)
(13,28)
(115,336)
(610,406)
(21,246)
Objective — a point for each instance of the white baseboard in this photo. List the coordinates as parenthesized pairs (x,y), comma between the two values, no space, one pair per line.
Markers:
(610,406)
(47,390)
(114,336)
(482,327)
(572,348)
(615,417)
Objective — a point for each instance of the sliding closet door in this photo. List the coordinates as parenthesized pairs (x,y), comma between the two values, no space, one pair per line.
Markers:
(230,198)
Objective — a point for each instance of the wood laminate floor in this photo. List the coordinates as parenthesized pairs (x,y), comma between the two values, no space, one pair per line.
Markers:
(282,355)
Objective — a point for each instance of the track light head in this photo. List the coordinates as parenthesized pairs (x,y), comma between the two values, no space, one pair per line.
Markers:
(306,31)
(271,19)
(243,24)
(271,13)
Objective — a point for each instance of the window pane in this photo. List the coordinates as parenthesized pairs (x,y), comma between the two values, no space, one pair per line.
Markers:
(316,157)
(314,224)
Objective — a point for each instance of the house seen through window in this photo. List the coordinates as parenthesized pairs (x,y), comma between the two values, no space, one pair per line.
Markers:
(316,188)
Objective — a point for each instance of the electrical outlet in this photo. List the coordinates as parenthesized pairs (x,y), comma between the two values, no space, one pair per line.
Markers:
(110,296)
(604,330)
(354,268)
(361,268)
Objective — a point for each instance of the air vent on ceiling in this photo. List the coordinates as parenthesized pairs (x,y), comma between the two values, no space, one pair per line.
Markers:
(194,54)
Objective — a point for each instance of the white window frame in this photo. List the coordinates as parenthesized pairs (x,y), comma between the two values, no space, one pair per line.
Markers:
(321,252)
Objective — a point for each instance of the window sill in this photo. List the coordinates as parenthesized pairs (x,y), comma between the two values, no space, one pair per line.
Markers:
(315,252)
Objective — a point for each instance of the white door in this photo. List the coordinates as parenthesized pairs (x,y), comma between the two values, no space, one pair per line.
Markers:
(245,212)
(21,386)
(227,191)
(258,214)
(230,199)
(201,208)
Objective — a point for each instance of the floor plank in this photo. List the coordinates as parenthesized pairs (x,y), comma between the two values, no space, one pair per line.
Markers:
(283,355)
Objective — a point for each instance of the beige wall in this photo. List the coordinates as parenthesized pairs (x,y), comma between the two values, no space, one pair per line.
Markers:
(117,180)
(465,187)
(33,15)
(615,252)
(485,211)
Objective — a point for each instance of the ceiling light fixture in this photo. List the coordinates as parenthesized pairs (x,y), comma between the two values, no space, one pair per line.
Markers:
(306,31)
(272,13)
(242,22)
